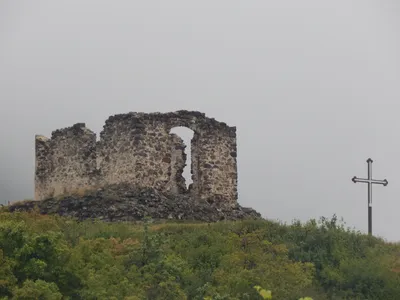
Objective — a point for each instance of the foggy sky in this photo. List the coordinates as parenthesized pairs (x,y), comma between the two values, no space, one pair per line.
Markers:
(312,86)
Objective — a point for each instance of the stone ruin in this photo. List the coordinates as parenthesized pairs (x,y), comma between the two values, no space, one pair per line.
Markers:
(135,171)
(137,149)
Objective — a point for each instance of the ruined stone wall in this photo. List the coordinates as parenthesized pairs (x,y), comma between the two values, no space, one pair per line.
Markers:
(65,162)
(217,165)
(138,149)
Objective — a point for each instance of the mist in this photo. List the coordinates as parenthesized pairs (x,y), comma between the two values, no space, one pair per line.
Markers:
(312,87)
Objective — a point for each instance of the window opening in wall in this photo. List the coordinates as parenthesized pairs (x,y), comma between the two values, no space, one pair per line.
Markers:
(186,135)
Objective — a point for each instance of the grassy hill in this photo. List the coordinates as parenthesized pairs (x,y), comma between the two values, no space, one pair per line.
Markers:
(49,257)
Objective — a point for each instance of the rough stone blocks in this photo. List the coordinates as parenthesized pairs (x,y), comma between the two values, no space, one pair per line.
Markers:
(138,149)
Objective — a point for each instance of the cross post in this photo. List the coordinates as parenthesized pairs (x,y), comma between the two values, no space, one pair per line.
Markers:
(370,182)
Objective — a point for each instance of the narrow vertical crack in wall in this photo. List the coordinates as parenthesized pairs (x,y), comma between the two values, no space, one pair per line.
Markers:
(186,135)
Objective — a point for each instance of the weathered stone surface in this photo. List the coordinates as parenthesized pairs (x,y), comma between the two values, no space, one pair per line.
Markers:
(124,203)
(138,149)
(65,162)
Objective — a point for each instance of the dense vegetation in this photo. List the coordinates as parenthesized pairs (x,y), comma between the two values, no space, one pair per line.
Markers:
(48,257)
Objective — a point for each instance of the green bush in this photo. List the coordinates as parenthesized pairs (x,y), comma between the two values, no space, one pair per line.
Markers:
(48,257)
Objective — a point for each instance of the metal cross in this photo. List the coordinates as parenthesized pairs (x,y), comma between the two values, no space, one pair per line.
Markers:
(370,182)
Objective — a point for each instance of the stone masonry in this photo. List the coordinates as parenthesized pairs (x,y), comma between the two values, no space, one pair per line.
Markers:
(138,149)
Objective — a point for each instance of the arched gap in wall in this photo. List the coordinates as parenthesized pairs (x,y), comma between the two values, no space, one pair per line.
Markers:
(186,135)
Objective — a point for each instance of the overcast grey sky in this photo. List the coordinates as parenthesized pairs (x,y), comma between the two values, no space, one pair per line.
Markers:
(312,86)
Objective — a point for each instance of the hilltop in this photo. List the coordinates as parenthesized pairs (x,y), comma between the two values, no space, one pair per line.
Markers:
(60,258)
(124,202)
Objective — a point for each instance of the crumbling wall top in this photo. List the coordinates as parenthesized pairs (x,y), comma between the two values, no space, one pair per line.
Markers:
(77,129)
(193,120)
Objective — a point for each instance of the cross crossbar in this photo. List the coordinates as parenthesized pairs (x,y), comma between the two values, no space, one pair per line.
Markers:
(373,181)
(370,182)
